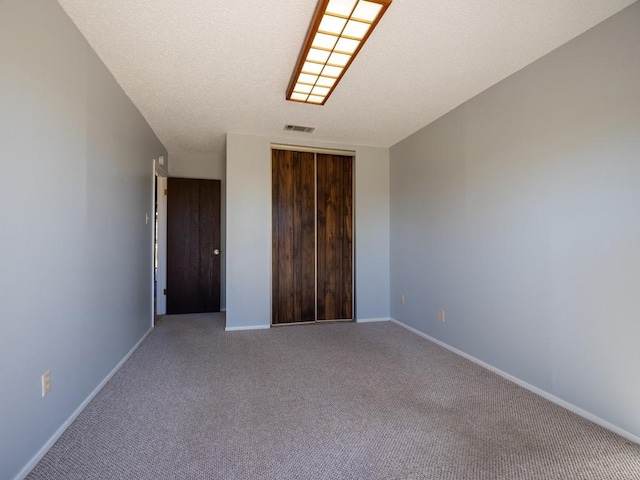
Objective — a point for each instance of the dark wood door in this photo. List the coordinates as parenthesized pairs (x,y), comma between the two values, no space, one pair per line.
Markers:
(312,237)
(335,237)
(193,245)
(293,237)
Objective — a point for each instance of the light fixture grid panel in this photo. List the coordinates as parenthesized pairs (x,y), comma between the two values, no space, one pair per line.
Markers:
(369,14)
(341,7)
(365,10)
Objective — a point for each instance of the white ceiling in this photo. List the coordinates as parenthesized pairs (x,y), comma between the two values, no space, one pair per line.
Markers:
(197,69)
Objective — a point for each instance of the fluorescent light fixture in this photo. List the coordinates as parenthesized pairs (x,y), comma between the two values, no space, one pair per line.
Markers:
(337,32)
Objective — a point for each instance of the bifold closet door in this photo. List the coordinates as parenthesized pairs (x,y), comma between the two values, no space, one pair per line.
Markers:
(335,237)
(293,237)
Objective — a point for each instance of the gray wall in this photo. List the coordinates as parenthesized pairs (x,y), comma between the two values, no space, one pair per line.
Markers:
(518,213)
(249,229)
(213,167)
(75,251)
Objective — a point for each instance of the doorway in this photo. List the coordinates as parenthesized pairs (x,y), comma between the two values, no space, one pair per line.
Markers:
(159,249)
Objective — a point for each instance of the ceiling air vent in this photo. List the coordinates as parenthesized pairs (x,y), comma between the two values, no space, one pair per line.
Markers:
(299,128)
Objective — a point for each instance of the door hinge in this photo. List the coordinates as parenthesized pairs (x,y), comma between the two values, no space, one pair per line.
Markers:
(164,292)
(165,192)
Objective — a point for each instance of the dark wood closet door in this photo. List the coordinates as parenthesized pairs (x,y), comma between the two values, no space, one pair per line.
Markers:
(193,245)
(293,237)
(335,237)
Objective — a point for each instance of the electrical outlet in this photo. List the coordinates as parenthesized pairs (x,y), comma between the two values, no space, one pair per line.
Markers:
(46,382)
(401,299)
(441,316)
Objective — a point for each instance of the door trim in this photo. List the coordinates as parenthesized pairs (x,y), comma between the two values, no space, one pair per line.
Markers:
(161,275)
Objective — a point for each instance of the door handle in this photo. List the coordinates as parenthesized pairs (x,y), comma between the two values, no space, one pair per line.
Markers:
(216,252)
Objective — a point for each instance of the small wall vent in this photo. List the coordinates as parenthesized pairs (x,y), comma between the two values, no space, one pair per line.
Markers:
(299,128)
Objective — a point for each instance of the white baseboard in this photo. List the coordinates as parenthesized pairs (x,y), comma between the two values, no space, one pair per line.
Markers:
(250,327)
(369,320)
(544,394)
(54,438)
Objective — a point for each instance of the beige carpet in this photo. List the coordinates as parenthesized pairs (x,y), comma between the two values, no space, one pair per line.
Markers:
(338,401)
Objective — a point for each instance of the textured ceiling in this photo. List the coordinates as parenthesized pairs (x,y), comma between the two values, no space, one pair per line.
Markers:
(197,69)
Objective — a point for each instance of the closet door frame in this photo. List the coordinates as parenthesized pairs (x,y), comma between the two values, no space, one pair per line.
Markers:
(316,151)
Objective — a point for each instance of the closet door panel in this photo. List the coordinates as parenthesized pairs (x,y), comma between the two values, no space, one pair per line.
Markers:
(293,237)
(335,237)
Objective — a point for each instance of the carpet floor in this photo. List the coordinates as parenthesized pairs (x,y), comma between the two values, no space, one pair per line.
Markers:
(335,401)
